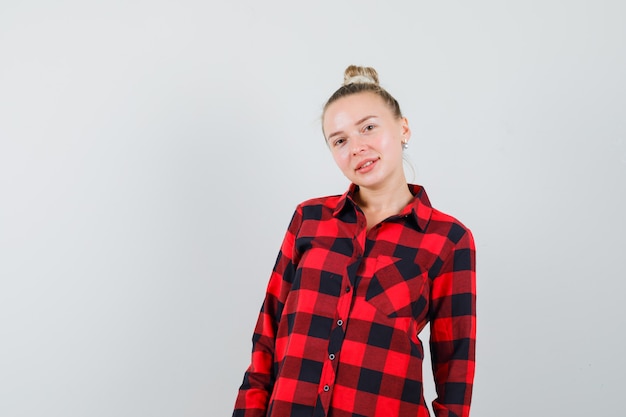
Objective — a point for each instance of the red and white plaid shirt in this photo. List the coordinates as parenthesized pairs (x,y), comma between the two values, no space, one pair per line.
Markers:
(337,335)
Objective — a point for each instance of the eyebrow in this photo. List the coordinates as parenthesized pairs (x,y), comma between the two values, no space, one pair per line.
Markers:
(356,124)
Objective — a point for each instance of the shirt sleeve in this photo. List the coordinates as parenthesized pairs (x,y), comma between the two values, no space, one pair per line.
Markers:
(453,326)
(258,381)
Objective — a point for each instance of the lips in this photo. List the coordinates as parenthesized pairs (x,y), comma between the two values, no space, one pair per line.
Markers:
(366,165)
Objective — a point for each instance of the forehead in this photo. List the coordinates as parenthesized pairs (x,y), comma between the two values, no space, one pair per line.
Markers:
(354,107)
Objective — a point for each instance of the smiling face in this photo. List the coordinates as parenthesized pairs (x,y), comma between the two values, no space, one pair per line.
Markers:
(365,138)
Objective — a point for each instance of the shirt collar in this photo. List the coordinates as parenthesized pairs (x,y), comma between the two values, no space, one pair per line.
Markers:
(419,209)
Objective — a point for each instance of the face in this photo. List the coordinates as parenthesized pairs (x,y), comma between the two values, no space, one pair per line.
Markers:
(365,139)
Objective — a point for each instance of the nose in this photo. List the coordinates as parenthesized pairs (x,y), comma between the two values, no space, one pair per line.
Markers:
(358,145)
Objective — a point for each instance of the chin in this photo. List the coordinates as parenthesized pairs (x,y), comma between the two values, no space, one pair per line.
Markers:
(368,184)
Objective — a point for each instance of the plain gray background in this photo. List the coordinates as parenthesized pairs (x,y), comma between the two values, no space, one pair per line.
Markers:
(152,153)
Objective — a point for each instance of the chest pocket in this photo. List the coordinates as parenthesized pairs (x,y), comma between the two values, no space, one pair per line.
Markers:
(396,288)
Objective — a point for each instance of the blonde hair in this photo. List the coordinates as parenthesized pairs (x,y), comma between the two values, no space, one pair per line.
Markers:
(358,79)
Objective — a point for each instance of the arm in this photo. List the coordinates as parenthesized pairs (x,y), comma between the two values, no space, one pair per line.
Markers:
(453,327)
(258,381)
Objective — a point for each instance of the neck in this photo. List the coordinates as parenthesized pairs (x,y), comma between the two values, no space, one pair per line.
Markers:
(389,199)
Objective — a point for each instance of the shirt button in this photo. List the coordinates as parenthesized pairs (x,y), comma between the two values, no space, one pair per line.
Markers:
(326,388)
(331,356)
(339,322)
(347,289)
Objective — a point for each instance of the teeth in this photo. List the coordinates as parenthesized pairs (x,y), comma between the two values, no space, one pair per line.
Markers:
(367,164)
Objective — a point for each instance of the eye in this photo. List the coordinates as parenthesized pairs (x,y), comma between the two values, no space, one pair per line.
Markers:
(367,128)
(339,142)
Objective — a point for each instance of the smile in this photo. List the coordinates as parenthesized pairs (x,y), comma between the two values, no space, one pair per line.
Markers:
(367,165)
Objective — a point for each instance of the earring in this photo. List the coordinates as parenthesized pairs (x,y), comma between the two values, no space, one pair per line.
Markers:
(405,145)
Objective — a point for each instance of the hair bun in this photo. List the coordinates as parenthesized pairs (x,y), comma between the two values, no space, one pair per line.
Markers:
(360,75)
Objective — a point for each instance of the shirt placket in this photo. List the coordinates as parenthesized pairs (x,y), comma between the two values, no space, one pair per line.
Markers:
(348,282)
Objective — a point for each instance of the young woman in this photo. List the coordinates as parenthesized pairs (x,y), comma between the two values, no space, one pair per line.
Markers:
(357,278)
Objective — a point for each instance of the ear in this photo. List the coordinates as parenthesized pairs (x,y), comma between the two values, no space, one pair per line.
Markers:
(405,130)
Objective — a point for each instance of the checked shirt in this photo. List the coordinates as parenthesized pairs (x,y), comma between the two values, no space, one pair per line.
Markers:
(337,335)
